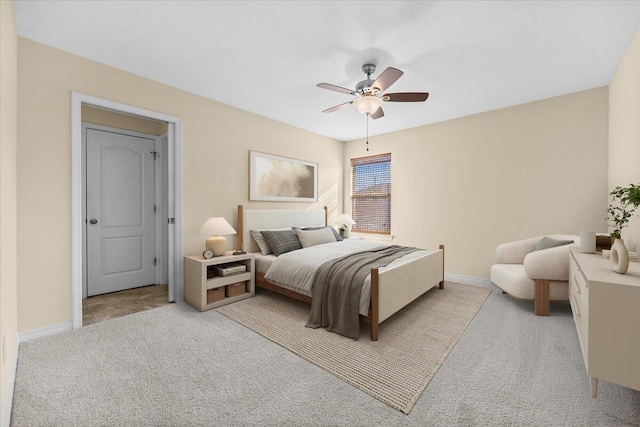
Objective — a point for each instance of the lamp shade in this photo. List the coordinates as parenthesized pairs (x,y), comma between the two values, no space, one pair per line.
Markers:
(367,104)
(216,227)
(345,219)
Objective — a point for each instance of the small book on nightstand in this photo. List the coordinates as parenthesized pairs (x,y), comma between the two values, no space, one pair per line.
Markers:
(224,270)
(633,256)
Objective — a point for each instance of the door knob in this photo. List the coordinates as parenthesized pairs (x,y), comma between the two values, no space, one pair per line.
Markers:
(93,221)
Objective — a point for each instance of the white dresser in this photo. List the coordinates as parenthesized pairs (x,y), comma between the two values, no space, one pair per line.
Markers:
(606,311)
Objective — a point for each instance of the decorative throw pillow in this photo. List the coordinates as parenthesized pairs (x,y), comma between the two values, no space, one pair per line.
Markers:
(333,230)
(547,243)
(259,239)
(315,237)
(282,242)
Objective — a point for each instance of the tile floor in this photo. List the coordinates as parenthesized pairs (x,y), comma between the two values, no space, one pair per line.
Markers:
(116,304)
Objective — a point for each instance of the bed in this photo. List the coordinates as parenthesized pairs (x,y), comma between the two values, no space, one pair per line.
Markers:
(390,288)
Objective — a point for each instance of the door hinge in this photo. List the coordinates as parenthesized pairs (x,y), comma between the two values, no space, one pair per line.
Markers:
(155,208)
(155,261)
(155,154)
(171,220)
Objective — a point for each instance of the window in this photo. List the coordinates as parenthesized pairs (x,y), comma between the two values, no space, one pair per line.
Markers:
(371,194)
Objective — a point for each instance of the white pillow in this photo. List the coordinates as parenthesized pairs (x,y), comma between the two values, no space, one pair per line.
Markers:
(315,237)
(259,239)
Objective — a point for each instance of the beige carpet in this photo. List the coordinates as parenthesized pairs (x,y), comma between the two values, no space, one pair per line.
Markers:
(397,368)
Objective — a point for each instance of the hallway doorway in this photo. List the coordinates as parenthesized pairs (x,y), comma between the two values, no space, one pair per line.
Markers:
(126,209)
(110,306)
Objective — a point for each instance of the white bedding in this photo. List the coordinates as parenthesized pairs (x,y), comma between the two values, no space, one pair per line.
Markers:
(263,262)
(296,270)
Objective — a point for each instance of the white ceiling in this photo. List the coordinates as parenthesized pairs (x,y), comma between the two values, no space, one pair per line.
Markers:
(267,56)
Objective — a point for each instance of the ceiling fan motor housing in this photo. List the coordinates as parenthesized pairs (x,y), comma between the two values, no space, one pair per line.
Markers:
(364,87)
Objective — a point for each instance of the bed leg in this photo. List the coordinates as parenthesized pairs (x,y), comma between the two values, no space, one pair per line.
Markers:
(374,304)
(442,282)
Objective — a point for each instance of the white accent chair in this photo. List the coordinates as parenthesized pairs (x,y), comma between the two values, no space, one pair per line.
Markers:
(527,274)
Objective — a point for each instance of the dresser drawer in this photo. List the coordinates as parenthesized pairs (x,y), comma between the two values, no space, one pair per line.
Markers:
(577,281)
(579,300)
(579,309)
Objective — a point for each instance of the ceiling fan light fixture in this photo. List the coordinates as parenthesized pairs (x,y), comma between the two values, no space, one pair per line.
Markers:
(367,104)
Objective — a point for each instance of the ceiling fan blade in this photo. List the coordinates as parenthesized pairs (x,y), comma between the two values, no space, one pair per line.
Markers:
(336,88)
(405,97)
(387,78)
(378,114)
(337,107)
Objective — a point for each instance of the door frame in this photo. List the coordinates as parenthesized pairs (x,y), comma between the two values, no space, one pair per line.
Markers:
(174,195)
(161,168)
(160,228)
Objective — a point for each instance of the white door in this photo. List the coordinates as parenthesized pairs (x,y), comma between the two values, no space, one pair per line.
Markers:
(120,212)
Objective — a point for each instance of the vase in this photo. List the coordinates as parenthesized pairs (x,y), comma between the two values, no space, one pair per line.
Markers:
(619,257)
(587,241)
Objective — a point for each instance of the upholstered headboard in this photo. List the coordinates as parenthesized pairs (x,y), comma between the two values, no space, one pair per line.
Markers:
(266,219)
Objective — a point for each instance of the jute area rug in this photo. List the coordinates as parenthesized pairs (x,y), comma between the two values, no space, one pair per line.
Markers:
(412,344)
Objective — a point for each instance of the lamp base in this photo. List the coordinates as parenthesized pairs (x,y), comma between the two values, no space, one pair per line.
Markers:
(217,245)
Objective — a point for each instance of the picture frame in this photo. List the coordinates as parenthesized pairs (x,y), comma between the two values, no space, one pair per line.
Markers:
(274,178)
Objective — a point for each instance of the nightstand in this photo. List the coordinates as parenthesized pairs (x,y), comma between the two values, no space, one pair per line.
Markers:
(204,290)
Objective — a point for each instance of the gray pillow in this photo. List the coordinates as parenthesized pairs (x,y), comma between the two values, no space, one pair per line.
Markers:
(335,233)
(315,237)
(259,239)
(547,243)
(282,242)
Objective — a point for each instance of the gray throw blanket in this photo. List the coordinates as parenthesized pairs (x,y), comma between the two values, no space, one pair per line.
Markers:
(338,284)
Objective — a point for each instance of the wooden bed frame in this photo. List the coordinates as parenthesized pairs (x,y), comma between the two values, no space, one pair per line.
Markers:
(391,290)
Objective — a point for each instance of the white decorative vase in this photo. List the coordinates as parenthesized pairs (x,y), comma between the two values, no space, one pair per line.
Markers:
(619,257)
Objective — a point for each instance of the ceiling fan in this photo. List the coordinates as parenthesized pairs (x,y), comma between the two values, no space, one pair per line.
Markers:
(369,92)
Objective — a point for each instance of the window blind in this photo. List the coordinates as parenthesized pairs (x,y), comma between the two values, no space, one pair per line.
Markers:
(371,194)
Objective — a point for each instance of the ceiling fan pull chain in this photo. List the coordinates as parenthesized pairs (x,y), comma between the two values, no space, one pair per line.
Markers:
(367,118)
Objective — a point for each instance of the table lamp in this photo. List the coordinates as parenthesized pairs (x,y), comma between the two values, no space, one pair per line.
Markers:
(345,222)
(216,228)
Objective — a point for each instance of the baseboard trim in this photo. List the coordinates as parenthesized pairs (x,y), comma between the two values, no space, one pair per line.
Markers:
(45,331)
(467,279)
(6,411)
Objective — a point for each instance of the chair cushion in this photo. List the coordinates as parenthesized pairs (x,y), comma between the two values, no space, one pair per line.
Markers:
(547,243)
(513,279)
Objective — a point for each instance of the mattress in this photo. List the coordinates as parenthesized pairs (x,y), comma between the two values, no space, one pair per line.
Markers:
(296,270)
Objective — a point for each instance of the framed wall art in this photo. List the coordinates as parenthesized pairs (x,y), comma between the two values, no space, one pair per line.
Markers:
(282,179)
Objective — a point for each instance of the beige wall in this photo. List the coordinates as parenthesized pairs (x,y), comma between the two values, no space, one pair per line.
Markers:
(8,145)
(624,130)
(474,182)
(98,116)
(216,141)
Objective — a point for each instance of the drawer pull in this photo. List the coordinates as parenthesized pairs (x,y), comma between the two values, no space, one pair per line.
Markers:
(575,283)
(575,307)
